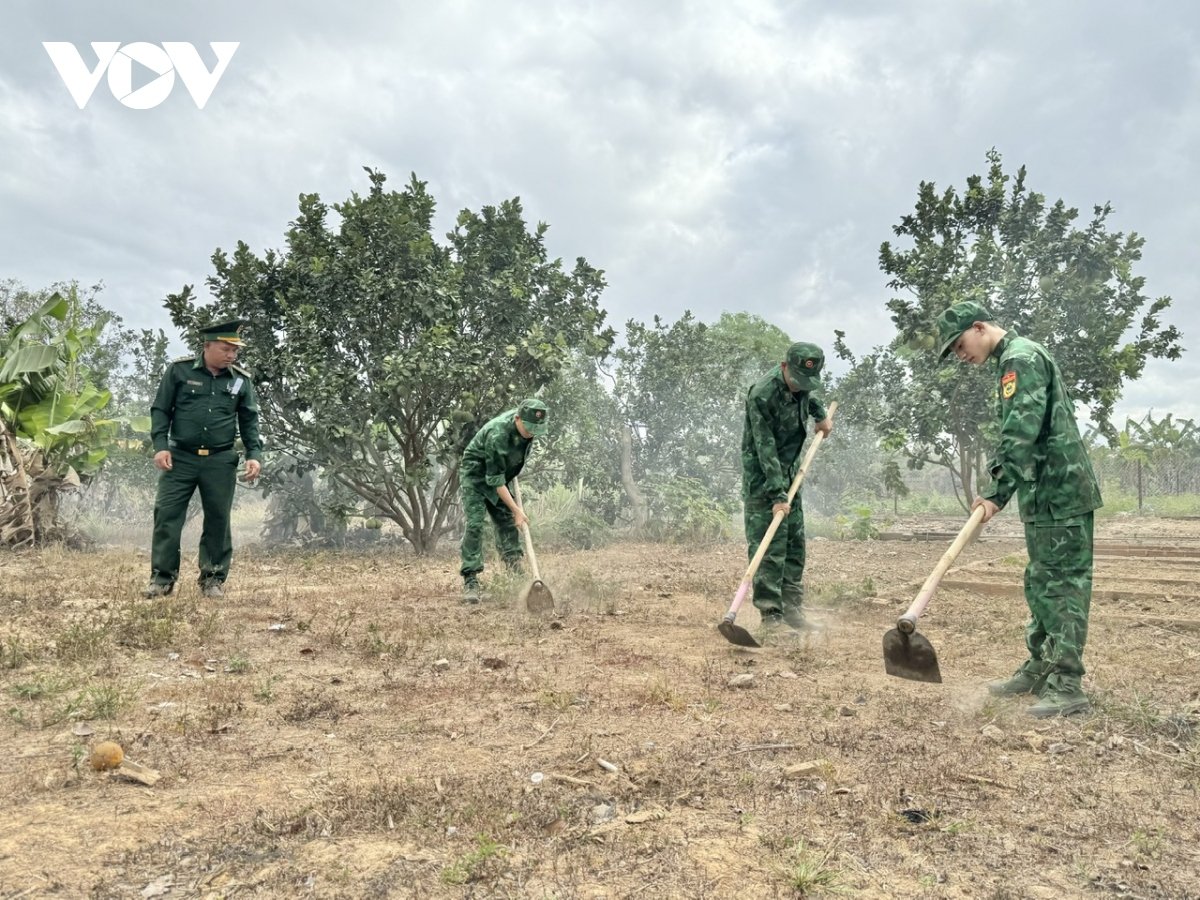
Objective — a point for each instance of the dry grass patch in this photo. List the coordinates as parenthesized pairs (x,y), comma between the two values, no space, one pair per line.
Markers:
(338,757)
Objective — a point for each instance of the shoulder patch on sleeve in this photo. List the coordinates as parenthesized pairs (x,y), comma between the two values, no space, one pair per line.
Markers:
(1008,385)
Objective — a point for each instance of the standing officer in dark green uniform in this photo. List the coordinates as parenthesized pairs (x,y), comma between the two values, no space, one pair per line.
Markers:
(494,458)
(202,404)
(1043,461)
(777,410)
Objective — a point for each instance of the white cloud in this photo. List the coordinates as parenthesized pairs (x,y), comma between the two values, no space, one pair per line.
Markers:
(708,155)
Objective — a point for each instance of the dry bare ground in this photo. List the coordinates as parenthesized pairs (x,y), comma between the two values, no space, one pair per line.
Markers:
(340,726)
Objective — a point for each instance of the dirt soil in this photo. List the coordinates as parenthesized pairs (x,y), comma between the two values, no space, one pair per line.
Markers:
(339,725)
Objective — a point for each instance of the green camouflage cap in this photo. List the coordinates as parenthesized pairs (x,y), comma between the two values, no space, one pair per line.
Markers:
(804,363)
(957,319)
(534,416)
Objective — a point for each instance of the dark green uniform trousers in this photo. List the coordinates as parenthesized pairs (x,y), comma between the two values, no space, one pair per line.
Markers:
(477,508)
(1058,590)
(216,478)
(779,581)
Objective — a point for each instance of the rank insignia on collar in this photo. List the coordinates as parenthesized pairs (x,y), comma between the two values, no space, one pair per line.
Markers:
(1008,385)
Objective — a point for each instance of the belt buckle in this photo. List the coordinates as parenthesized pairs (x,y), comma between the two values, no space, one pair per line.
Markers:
(202,452)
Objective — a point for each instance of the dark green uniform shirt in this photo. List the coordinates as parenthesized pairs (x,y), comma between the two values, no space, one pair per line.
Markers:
(772,436)
(195,409)
(495,455)
(1041,457)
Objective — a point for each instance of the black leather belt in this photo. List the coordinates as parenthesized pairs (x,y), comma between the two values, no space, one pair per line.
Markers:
(203,451)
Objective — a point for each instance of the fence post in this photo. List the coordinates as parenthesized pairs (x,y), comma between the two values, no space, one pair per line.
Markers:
(1139,474)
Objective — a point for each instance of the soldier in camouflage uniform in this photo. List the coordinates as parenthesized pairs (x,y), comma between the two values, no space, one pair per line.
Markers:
(1043,461)
(203,403)
(493,458)
(777,410)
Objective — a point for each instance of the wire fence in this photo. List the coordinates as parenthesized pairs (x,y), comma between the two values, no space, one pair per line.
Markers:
(1168,485)
(1165,486)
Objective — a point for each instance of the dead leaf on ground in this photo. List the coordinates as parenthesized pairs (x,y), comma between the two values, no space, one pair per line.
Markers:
(652,814)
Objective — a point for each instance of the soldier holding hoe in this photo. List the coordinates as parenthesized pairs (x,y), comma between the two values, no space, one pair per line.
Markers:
(493,458)
(1041,459)
(777,411)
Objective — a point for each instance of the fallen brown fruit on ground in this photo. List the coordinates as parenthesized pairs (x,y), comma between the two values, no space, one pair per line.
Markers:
(107,755)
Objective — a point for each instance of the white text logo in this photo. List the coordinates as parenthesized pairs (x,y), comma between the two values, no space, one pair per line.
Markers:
(162,61)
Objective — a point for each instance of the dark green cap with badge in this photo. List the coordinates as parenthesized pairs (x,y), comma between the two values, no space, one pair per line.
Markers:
(804,363)
(229,332)
(534,416)
(957,319)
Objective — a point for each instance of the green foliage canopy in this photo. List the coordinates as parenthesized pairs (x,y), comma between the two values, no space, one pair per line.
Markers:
(1070,287)
(378,350)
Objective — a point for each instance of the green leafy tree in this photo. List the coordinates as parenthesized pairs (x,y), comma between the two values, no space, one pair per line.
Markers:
(52,435)
(103,358)
(125,487)
(1166,436)
(1163,453)
(1070,287)
(681,389)
(127,362)
(893,483)
(377,350)
(583,448)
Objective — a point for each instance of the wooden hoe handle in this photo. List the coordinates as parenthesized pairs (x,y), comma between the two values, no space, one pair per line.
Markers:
(907,623)
(748,578)
(525,532)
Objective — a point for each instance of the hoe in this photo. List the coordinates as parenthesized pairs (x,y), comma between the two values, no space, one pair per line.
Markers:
(907,654)
(736,634)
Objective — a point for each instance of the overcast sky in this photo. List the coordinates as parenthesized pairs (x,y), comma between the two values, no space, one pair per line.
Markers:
(725,155)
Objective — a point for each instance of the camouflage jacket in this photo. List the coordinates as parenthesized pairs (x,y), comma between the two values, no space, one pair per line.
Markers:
(495,455)
(772,436)
(195,409)
(1040,457)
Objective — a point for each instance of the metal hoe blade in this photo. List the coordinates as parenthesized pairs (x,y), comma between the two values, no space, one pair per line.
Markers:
(538,597)
(736,634)
(910,656)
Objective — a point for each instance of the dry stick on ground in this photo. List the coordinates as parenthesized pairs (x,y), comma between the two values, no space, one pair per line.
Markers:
(1157,622)
(1175,759)
(567,779)
(542,736)
(754,749)
(980,779)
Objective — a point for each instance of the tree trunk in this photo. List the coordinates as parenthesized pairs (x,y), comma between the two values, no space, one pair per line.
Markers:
(637,501)
(966,473)
(17,522)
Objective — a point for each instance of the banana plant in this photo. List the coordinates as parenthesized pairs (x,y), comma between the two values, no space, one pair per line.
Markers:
(53,434)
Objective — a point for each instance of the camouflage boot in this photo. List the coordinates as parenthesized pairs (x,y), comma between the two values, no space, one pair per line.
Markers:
(793,615)
(471,591)
(1062,696)
(1029,679)
(772,620)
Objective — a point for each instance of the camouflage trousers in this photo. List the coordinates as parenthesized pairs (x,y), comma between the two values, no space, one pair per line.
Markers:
(477,508)
(779,581)
(1058,590)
